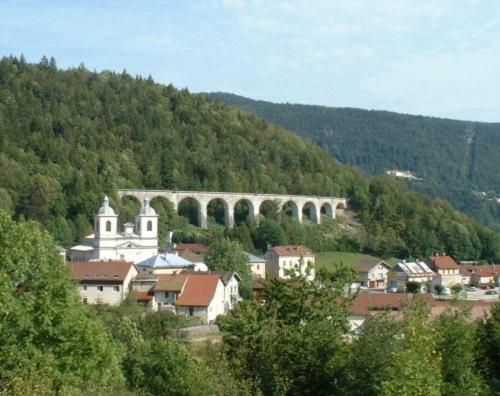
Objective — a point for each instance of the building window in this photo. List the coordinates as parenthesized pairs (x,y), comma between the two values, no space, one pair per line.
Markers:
(191,311)
(167,294)
(258,267)
(85,300)
(100,288)
(116,288)
(150,225)
(84,287)
(108,226)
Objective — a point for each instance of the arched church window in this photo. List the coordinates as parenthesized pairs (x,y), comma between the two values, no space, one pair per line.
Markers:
(150,225)
(108,226)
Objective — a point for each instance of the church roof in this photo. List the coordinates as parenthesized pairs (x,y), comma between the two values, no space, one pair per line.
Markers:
(147,210)
(166,260)
(105,209)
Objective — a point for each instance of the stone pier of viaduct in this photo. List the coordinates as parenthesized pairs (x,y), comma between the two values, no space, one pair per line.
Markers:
(316,206)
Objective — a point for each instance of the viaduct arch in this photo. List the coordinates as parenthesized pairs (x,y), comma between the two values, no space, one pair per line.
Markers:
(316,205)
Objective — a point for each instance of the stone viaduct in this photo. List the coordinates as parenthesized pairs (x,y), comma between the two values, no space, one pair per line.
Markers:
(316,205)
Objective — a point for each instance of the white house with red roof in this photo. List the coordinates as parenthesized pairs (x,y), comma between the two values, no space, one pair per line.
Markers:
(281,260)
(447,270)
(202,296)
(373,274)
(106,282)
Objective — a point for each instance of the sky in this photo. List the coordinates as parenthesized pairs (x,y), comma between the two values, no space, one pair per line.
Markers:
(439,58)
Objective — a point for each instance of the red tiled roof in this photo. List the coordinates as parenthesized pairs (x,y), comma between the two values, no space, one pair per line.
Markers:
(141,276)
(292,250)
(100,271)
(170,282)
(367,302)
(487,270)
(143,296)
(198,248)
(199,290)
(443,262)
(365,266)
(480,270)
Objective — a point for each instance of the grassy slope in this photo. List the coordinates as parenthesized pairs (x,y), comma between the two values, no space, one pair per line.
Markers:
(328,259)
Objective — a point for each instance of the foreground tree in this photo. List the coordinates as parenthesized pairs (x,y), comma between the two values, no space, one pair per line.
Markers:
(45,332)
(457,346)
(372,355)
(226,255)
(489,347)
(294,343)
(415,364)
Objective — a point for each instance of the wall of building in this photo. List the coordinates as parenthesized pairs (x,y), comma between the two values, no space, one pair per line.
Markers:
(258,269)
(109,295)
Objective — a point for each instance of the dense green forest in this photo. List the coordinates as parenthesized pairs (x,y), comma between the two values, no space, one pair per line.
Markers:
(67,137)
(297,343)
(455,159)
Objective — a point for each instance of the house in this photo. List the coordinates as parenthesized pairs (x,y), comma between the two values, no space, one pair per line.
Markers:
(466,271)
(257,265)
(137,241)
(205,300)
(373,274)
(447,269)
(202,296)
(416,271)
(486,274)
(367,304)
(165,263)
(231,281)
(142,286)
(480,274)
(103,282)
(167,290)
(280,260)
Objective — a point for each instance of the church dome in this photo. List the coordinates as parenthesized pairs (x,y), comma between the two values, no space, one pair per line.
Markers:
(147,210)
(105,209)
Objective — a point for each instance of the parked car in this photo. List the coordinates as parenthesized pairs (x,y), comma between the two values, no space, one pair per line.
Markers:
(472,289)
(491,292)
(392,289)
(446,291)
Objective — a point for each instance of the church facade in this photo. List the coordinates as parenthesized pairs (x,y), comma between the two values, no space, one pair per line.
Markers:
(135,243)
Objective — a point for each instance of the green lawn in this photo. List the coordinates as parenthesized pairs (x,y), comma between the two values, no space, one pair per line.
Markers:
(327,259)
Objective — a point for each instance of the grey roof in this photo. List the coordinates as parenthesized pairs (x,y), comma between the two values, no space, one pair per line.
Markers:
(105,209)
(147,210)
(166,260)
(253,259)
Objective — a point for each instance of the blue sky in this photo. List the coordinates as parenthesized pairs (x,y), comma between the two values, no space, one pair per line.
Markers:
(438,58)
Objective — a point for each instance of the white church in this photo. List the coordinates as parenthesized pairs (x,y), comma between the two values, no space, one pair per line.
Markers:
(136,243)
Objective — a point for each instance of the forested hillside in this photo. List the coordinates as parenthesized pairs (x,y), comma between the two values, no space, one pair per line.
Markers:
(455,159)
(67,137)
